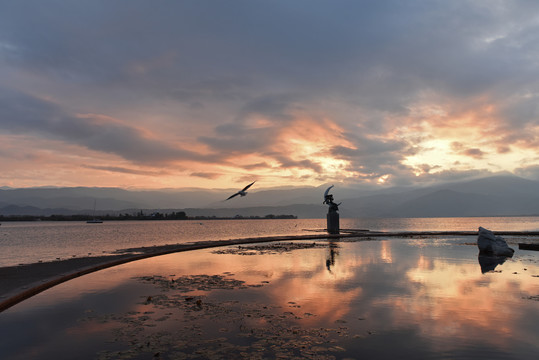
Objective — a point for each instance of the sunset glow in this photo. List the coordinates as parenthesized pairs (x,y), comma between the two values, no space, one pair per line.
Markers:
(387,94)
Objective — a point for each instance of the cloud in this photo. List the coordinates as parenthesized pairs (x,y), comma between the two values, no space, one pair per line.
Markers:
(286,163)
(461,149)
(529,172)
(235,139)
(196,51)
(261,165)
(372,158)
(121,170)
(22,113)
(301,90)
(474,152)
(276,107)
(206,175)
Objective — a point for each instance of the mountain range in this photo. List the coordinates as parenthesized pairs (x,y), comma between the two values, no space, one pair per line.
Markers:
(503,195)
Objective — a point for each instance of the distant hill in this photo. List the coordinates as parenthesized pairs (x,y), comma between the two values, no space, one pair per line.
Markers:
(493,196)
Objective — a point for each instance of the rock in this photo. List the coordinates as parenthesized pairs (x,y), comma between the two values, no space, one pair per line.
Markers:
(489,244)
(525,246)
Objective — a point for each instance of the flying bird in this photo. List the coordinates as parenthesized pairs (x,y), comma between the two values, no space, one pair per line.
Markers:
(242,192)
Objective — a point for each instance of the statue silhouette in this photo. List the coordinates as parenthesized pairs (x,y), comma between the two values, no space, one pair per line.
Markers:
(333,215)
(328,199)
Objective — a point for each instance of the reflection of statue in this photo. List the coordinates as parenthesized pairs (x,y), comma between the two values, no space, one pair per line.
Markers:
(328,199)
(333,215)
(330,261)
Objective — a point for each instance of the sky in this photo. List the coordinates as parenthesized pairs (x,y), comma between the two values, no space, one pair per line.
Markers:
(217,94)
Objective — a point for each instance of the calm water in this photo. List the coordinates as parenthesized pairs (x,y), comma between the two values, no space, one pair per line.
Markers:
(29,242)
(386,299)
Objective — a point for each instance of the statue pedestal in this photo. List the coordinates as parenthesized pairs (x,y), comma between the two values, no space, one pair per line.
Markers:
(333,222)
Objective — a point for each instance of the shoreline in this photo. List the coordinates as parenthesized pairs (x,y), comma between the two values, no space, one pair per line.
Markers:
(24,281)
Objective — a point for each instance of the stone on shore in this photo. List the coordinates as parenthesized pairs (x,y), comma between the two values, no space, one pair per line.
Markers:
(489,244)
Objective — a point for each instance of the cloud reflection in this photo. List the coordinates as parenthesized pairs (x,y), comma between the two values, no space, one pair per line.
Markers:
(430,292)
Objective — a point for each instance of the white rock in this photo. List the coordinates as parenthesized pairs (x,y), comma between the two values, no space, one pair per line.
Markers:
(492,245)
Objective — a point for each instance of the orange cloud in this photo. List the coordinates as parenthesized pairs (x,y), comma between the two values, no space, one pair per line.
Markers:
(458,135)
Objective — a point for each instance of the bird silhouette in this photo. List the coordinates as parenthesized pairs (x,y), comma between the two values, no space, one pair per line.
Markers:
(242,192)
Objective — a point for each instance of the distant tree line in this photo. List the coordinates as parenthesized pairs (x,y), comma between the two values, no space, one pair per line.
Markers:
(240,217)
(179,215)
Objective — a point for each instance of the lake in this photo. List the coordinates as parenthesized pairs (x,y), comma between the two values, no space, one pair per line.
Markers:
(419,298)
(30,242)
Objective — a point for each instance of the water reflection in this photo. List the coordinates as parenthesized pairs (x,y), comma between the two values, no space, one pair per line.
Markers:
(489,262)
(385,252)
(333,252)
(456,302)
(333,299)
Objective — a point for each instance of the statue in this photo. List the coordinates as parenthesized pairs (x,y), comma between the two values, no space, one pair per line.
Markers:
(333,215)
(328,199)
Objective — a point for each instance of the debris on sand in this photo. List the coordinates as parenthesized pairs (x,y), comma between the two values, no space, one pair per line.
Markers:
(179,325)
(276,248)
(194,282)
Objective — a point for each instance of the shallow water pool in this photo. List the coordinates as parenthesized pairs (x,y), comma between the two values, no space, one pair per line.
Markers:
(385,299)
